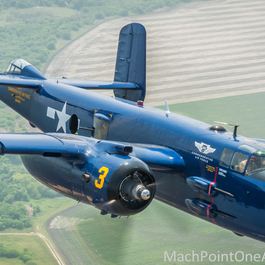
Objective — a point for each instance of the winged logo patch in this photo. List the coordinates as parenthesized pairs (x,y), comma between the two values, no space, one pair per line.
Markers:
(204,148)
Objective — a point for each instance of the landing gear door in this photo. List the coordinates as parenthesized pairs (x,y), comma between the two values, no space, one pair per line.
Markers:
(101,126)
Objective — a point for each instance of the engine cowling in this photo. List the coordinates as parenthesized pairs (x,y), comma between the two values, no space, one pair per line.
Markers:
(120,185)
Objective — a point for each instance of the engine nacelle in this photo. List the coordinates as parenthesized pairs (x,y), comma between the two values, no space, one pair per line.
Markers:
(119,184)
(101,173)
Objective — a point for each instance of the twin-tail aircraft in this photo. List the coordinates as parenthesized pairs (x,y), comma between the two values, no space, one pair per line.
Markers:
(117,154)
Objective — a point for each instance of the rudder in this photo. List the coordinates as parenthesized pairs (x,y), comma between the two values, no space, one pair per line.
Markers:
(131,61)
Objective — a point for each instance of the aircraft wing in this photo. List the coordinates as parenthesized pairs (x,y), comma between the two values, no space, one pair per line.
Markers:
(37,144)
(70,146)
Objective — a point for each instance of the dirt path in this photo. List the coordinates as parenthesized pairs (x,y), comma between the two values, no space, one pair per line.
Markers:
(61,228)
(197,51)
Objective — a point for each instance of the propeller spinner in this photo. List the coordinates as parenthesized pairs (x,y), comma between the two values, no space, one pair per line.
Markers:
(132,188)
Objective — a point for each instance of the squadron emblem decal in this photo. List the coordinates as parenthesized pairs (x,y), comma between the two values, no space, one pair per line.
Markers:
(204,148)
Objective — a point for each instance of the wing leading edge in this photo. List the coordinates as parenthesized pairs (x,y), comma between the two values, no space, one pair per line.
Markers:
(69,146)
(37,144)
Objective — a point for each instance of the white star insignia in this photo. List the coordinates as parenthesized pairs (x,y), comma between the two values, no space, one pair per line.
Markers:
(62,116)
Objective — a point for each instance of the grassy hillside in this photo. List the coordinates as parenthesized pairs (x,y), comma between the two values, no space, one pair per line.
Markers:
(34,30)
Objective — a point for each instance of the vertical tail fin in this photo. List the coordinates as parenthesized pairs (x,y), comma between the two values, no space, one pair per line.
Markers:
(131,61)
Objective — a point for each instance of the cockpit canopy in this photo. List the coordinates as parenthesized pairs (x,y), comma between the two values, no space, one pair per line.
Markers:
(249,161)
(16,66)
(23,68)
(256,166)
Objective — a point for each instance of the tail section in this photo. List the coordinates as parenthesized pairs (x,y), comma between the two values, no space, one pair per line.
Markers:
(131,61)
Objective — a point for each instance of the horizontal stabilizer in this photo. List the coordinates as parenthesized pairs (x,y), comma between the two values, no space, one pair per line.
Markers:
(93,84)
(20,82)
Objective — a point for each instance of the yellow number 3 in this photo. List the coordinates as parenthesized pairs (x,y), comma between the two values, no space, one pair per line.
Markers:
(101,177)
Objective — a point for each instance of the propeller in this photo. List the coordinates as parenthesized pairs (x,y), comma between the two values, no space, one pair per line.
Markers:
(128,193)
(132,188)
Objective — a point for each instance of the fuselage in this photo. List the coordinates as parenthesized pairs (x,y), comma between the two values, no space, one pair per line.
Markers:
(51,107)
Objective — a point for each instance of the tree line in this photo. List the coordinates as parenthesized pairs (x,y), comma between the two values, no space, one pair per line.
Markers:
(26,255)
(18,188)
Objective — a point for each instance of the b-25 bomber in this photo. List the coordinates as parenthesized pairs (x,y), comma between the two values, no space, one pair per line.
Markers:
(117,154)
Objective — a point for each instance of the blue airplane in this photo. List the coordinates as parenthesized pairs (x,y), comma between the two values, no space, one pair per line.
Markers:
(117,154)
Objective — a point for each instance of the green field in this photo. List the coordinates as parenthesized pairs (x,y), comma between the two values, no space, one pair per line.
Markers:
(247,110)
(34,244)
(142,239)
